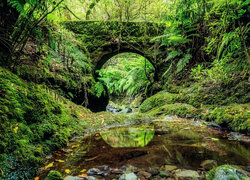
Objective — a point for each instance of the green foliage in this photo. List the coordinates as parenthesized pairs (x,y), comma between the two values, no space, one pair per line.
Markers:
(32,122)
(130,75)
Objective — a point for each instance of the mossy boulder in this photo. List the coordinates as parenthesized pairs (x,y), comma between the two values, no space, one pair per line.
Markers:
(235,116)
(159,100)
(226,172)
(179,109)
(54,175)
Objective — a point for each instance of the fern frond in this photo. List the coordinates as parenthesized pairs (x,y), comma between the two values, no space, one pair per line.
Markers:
(183,62)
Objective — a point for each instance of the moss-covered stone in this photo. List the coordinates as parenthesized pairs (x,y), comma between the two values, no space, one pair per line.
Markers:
(159,100)
(225,172)
(235,116)
(179,109)
(54,175)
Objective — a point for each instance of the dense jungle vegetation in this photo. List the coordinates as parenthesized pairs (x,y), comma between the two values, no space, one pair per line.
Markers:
(55,83)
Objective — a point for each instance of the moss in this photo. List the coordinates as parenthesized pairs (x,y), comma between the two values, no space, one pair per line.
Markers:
(54,175)
(225,172)
(235,116)
(32,122)
(181,110)
(158,100)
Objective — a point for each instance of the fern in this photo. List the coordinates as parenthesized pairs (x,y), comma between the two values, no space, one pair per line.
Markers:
(173,54)
(183,62)
(99,89)
(18,5)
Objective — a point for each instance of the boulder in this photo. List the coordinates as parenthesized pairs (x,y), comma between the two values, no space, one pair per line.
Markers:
(226,172)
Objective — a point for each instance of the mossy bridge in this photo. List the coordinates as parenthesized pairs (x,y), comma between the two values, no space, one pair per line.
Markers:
(105,39)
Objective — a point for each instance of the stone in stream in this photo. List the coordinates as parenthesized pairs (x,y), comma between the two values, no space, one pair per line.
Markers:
(73,178)
(144,174)
(128,176)
(215,126)
(170,167)
(91,178)
(189,174)
(129,168)
(164,173)
(208,164)
(154,172)
(226,172)
(94,171)
(125,111)
(104,170)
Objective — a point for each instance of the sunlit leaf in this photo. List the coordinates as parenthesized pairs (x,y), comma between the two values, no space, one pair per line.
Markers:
(49,165)
(67,171)
(75,146)
(83,170)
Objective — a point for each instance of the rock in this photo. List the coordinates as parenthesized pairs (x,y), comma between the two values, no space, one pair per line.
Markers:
(187,174)
(208,164)
(91,178)
(116,171)
(129,168)
(128,176)
(73,178)
(104,170)
(226,172)
(144,174)
(153,172)
(164,173)
(248,169)
(235,136)
(127,110)
(215,126)
(170,167)
(94,171)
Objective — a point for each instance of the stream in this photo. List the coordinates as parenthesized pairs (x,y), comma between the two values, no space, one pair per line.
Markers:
(157,150)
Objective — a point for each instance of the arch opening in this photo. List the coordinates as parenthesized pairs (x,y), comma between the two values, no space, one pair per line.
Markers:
(125,76)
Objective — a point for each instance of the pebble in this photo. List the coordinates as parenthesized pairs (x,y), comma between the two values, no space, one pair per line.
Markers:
(73,178)
(128,176)
(187,174)
(144,174)
(170,167)
(208,164)
(94,171)
(164,173)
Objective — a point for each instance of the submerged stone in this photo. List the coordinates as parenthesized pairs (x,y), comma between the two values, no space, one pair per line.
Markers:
(94,171)
(73,178)
(208,164)
(128,176)
(164,173)
(170,167)
(187,174)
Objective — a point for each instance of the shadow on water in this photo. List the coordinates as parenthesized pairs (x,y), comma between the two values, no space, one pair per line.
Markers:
(151,145)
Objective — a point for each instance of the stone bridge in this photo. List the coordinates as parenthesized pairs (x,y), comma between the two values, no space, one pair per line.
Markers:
(104,39)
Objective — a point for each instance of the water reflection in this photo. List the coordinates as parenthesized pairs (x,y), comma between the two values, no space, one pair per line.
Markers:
(129,136)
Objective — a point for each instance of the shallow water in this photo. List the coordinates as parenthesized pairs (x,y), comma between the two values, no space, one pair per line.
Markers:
(181,142)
